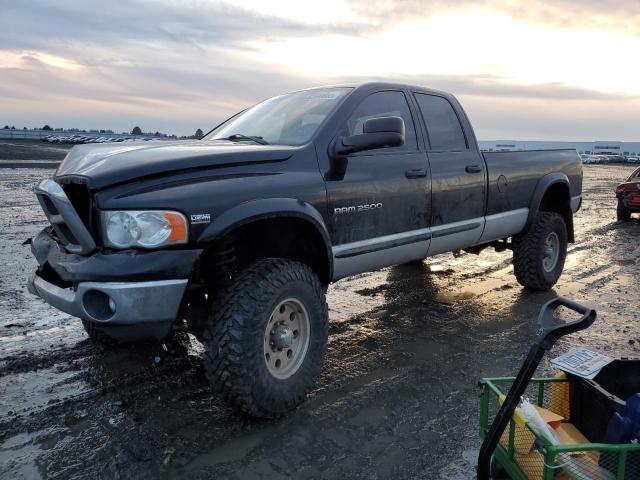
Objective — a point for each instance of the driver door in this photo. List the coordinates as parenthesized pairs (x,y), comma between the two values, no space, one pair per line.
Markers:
(380,207)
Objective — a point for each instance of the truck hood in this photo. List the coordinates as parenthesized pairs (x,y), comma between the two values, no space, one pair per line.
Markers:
(104,165)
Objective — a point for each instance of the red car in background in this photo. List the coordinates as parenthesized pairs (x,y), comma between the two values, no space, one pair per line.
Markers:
(628,194)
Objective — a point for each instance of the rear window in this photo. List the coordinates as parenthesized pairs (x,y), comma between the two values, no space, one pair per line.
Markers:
(443,126)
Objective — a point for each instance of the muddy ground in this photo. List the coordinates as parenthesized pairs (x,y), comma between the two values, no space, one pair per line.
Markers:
(398,397)
(31,150)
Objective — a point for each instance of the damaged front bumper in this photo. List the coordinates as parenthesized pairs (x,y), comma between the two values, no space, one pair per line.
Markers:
(112,302)
(118,288)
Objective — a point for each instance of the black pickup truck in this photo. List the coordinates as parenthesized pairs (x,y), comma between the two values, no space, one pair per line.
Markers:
(237,236)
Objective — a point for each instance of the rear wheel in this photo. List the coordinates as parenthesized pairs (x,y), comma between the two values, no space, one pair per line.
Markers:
(266,337)
(540,252)
(623,212)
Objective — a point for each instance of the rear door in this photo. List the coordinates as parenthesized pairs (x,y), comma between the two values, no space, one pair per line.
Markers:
(458,177)
(380,205)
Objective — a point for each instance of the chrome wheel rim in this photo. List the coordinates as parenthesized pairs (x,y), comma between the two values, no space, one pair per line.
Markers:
(551,252)
(286,338)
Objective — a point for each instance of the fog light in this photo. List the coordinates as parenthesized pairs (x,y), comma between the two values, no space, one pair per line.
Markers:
(98,305)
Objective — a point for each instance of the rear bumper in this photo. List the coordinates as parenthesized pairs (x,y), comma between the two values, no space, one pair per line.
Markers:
(114,303)
(630,201)
(576,203)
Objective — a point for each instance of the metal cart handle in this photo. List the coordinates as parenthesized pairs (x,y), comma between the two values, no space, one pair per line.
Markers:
(551,329)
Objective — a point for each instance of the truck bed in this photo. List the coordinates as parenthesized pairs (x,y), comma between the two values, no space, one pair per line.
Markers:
(513,175)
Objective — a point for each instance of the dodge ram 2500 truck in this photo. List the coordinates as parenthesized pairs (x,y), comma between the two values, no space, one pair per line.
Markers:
(238,235)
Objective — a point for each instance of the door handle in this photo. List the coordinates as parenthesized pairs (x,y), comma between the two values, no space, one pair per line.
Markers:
(473,169)
(416,173)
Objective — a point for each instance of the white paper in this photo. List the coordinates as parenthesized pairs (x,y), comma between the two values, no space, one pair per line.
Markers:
(582,362)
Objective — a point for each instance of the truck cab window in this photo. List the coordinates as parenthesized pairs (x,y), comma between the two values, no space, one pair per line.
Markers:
(443,126)
(384,104)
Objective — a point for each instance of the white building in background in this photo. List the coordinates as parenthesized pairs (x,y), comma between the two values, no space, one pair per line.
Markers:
(589,148)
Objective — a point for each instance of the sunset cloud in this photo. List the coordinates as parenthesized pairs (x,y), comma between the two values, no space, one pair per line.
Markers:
(550,69)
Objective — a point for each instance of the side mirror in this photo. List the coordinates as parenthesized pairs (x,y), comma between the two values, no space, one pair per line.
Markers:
(376,133)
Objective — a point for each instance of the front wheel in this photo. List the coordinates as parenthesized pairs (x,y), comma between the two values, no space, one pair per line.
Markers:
(266,337)
(623,212)
(540,252)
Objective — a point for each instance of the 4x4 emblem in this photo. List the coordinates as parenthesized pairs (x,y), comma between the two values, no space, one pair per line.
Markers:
(200,218)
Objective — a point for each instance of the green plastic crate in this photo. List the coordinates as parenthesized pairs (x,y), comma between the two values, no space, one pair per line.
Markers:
(525,456)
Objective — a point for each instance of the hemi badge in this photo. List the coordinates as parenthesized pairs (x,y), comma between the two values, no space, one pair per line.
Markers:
(200,218)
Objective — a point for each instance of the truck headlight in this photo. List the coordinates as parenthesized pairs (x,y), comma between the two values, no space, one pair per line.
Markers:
(143,228)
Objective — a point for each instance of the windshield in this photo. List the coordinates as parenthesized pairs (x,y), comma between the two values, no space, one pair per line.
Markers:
(289,119)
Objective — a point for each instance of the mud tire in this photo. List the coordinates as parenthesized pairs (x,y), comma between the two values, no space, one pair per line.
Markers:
(528,252)
(622,212)
(234,337)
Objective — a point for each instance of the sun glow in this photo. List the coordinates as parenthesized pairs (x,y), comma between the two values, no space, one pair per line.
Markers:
(471,42)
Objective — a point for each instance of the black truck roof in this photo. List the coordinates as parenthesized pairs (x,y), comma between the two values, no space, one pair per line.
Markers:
(380,84)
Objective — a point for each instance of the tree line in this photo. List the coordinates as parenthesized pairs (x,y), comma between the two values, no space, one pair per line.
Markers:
(134,131)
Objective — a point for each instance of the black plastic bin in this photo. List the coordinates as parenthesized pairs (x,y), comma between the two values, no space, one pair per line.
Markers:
(594,401)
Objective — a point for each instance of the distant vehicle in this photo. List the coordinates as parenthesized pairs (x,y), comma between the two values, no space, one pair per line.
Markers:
(633,159)
(238,235)
(589,159)
(628,194)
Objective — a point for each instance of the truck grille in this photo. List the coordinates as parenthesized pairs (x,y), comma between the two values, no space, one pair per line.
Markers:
(79,196)
(70,228)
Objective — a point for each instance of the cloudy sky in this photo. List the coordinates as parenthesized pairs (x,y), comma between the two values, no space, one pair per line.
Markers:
(545,69)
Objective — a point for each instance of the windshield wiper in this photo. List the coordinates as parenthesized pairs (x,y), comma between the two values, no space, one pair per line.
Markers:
(240,136)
